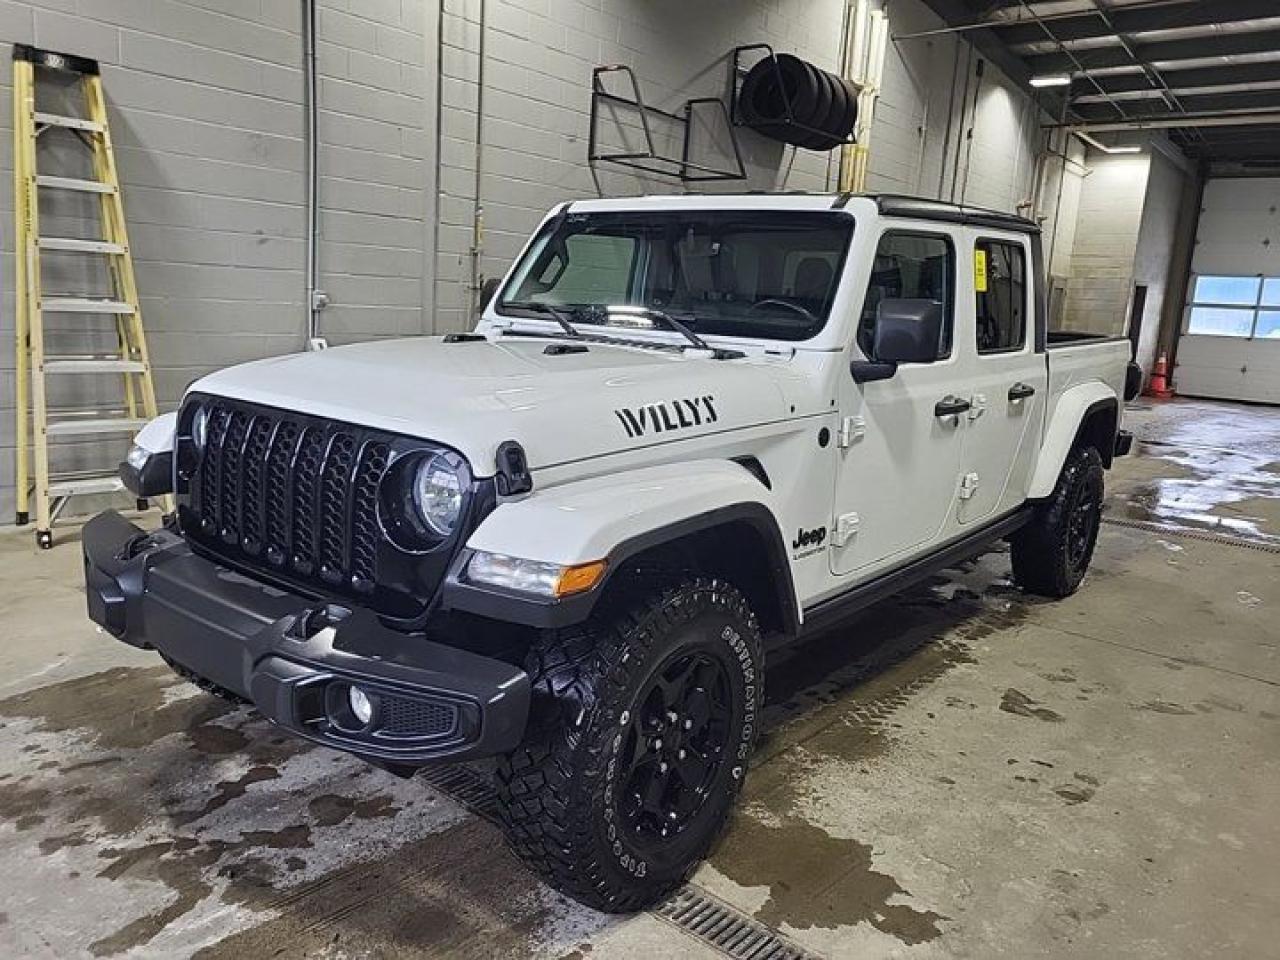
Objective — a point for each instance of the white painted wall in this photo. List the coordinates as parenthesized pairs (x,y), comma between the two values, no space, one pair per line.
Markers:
(1153,260)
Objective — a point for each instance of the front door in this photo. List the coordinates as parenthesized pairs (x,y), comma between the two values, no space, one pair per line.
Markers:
(899,460)
(1005,380)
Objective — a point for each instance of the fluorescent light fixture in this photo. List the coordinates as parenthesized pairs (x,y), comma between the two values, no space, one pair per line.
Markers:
(1103,147)
(1051,80)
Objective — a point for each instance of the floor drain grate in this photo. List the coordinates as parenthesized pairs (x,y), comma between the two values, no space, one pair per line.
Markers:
(727,929)
(697,913)
(473,790)
(1204,535)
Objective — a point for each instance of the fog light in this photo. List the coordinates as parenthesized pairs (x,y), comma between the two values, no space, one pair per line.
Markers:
(361,706)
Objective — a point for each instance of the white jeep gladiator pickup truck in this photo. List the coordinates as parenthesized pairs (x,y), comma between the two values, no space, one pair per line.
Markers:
(684,430)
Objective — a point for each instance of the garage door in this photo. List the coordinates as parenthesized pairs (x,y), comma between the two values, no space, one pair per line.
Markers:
(1230,345)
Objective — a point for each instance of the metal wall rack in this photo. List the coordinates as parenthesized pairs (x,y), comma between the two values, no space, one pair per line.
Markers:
(650,160)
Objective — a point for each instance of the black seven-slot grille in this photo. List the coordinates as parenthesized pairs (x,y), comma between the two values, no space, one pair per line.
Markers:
(291,494)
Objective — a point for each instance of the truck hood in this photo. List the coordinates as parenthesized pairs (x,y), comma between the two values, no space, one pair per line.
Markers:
(560,406)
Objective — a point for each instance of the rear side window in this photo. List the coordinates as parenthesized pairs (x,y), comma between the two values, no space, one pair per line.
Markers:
(909,266)
(1000,279)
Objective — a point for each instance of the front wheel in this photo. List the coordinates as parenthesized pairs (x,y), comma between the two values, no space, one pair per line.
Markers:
(643,727)
(1052,552)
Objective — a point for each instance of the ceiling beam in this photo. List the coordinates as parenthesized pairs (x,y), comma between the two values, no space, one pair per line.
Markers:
(956,13)
(1237,73)
(1257,150)
(1200,103)
(1216,45)
(1239,135)
(1266,118)
(1089,26)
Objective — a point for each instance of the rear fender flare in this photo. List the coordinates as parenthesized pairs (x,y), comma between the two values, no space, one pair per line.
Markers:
(1069,417)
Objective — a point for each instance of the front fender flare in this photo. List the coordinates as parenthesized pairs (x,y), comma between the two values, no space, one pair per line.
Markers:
(1073,407)
(615,517)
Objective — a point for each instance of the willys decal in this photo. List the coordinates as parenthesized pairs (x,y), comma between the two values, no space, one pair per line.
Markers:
(667,415)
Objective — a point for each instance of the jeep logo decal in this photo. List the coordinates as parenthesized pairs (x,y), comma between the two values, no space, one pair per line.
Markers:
(808,541)
(667,415)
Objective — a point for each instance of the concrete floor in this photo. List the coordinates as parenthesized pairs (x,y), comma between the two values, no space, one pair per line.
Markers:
(959,772)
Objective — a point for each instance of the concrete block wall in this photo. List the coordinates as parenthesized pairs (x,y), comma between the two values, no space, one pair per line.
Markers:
(538,59)
(205,102)
(1100,282)
(942,132)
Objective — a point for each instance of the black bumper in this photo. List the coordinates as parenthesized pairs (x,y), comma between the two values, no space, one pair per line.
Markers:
(296,658)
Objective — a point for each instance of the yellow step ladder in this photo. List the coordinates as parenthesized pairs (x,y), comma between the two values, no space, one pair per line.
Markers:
(38,421)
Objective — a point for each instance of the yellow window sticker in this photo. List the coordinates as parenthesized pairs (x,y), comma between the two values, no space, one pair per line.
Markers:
(980,270)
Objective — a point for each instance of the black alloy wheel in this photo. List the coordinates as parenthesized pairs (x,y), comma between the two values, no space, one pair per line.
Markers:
(677,739)
(1082,525)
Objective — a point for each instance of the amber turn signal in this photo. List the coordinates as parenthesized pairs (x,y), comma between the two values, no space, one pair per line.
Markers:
(580,578)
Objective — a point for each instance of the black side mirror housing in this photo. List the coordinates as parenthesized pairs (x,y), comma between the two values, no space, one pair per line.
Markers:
(907,331)
(488,290)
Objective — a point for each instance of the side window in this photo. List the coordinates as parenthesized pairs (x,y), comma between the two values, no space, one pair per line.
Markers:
(1000,278)
(910,266)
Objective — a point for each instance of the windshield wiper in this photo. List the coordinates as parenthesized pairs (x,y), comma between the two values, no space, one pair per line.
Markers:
(671,322)
(560,316)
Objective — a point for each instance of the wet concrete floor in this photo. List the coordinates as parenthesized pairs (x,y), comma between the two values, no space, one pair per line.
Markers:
(958,772)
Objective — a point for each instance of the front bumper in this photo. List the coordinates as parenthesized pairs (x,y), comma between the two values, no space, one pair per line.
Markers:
(295,658)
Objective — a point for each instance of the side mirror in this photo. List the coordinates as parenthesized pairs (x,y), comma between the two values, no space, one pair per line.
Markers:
(488,290)
(907,331)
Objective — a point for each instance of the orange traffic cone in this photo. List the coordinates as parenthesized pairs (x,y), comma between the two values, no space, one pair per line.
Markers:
(1160,387)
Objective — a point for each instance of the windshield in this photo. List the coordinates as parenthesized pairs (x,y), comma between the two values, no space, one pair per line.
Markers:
(765,274)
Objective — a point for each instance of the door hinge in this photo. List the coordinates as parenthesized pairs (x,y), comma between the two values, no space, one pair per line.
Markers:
(846,529)
(968,485)
(977,405)
(851,430)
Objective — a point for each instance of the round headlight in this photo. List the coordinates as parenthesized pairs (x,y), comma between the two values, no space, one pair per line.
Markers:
(438,492)
(200,428)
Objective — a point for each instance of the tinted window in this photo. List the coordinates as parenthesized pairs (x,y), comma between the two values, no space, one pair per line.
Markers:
(767,274)
(909,266)
(1000,278)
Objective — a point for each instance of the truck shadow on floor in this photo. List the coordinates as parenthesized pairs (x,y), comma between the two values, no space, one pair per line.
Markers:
(932,623)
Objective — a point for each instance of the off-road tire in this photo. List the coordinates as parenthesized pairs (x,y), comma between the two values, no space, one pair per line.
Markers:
(208,686)
(1045,561)
(559,791)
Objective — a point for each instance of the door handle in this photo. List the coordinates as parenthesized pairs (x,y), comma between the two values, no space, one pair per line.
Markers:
(1020,391)
(950,405)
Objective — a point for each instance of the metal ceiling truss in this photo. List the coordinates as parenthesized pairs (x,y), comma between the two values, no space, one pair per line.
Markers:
(1142,65)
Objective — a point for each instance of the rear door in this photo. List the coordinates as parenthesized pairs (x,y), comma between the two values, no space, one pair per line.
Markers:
(898,461)
(1005,377)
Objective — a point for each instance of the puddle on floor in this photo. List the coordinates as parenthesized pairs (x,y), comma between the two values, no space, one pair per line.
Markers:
(184,820)
(1210,471)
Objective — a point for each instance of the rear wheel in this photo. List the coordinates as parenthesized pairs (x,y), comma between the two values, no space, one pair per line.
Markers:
(639,745)
(1051,553)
